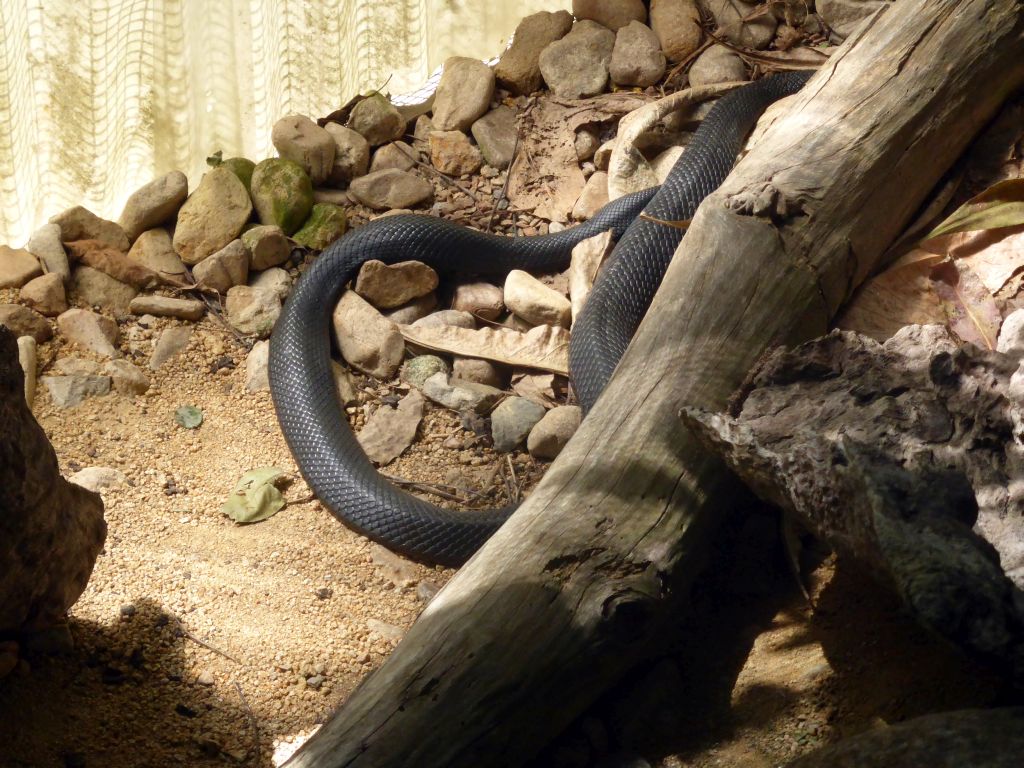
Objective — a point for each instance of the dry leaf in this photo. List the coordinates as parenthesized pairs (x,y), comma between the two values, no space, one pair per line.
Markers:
(993,255)
(971,309)
(1001,205)
(902,295)
(541,388)
(587,257)
(545,347)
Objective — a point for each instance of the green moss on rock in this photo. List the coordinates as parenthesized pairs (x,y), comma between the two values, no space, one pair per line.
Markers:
(325,225)
(282,193)
(242,168)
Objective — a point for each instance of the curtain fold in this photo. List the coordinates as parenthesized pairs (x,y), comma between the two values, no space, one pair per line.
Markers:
(97,97)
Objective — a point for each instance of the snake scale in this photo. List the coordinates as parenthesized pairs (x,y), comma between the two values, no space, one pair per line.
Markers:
(302,384)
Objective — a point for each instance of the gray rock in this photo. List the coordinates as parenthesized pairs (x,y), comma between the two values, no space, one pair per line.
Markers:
(90,331)
(299,139)
(717,64)
(98,479)
(98,289)
(45,245)
(252,310)
(586,143)
(636,58)
(495,134)
(153,249)
(17,267)
(256,376)
(729,14)
(377,120)
(22,321)
(593,197)
(154,204)
(610,13)
(171,343)
(549,435)
(45,294)
(53,530)
(351,155)
(512,421)
(338,197)
(69,391)
(389,286)
(481,372)
(397,154)
(416,370)
(417,309)
(165,306)
(519,67)
(125,377)
(282,194)
(454,317)
(383,190)
(479,299)
(212,216)
(226,268)
(389,431)
(452,153)
(463,94)
(274,279)
(28,358)
(843,16)
(677,25)
(460,395)
(577,65)
(267,246)
(368,341)
(423,128)
(80,223)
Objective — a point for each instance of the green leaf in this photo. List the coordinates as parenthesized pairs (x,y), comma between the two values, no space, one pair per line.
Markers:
(188,416)
(215,159)
(1001,205)
(256,496)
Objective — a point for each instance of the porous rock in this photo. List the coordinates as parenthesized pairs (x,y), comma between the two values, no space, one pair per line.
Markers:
(416,370)
(52,530)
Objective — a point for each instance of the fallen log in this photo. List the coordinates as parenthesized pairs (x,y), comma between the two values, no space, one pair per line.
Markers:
(572,591)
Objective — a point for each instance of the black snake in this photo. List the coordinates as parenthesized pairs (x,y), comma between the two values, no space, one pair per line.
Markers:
(302,384)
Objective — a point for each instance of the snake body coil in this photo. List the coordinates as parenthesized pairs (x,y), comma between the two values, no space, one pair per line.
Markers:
(302,384)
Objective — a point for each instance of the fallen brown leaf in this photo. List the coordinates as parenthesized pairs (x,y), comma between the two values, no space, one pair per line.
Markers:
(545,347)
(971,308)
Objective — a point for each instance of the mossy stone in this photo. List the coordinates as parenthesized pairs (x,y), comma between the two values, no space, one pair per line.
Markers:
(242,168)
(282,193)
(325,225)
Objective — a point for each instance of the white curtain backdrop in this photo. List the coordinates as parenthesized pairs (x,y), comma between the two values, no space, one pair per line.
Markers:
(100,96)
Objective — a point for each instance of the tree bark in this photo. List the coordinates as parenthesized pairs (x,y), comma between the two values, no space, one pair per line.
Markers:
(569,594)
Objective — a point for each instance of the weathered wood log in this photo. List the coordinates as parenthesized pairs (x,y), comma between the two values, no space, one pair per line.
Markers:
(567,596)
(979,738)
(886,452)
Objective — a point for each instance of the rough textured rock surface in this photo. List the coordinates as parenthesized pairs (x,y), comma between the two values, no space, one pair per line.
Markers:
(677,25)
(463,94)
(519,67)
(980,738)
(906,457)
(735,22)
(50,530)
(299,139)
(351,154)
(636,58)
(212,217)
(577,65)
(610,13)
(154,204)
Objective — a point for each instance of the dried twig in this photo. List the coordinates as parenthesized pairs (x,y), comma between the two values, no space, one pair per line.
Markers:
(515,494)
(252,722)
(447,492)
(186,633)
